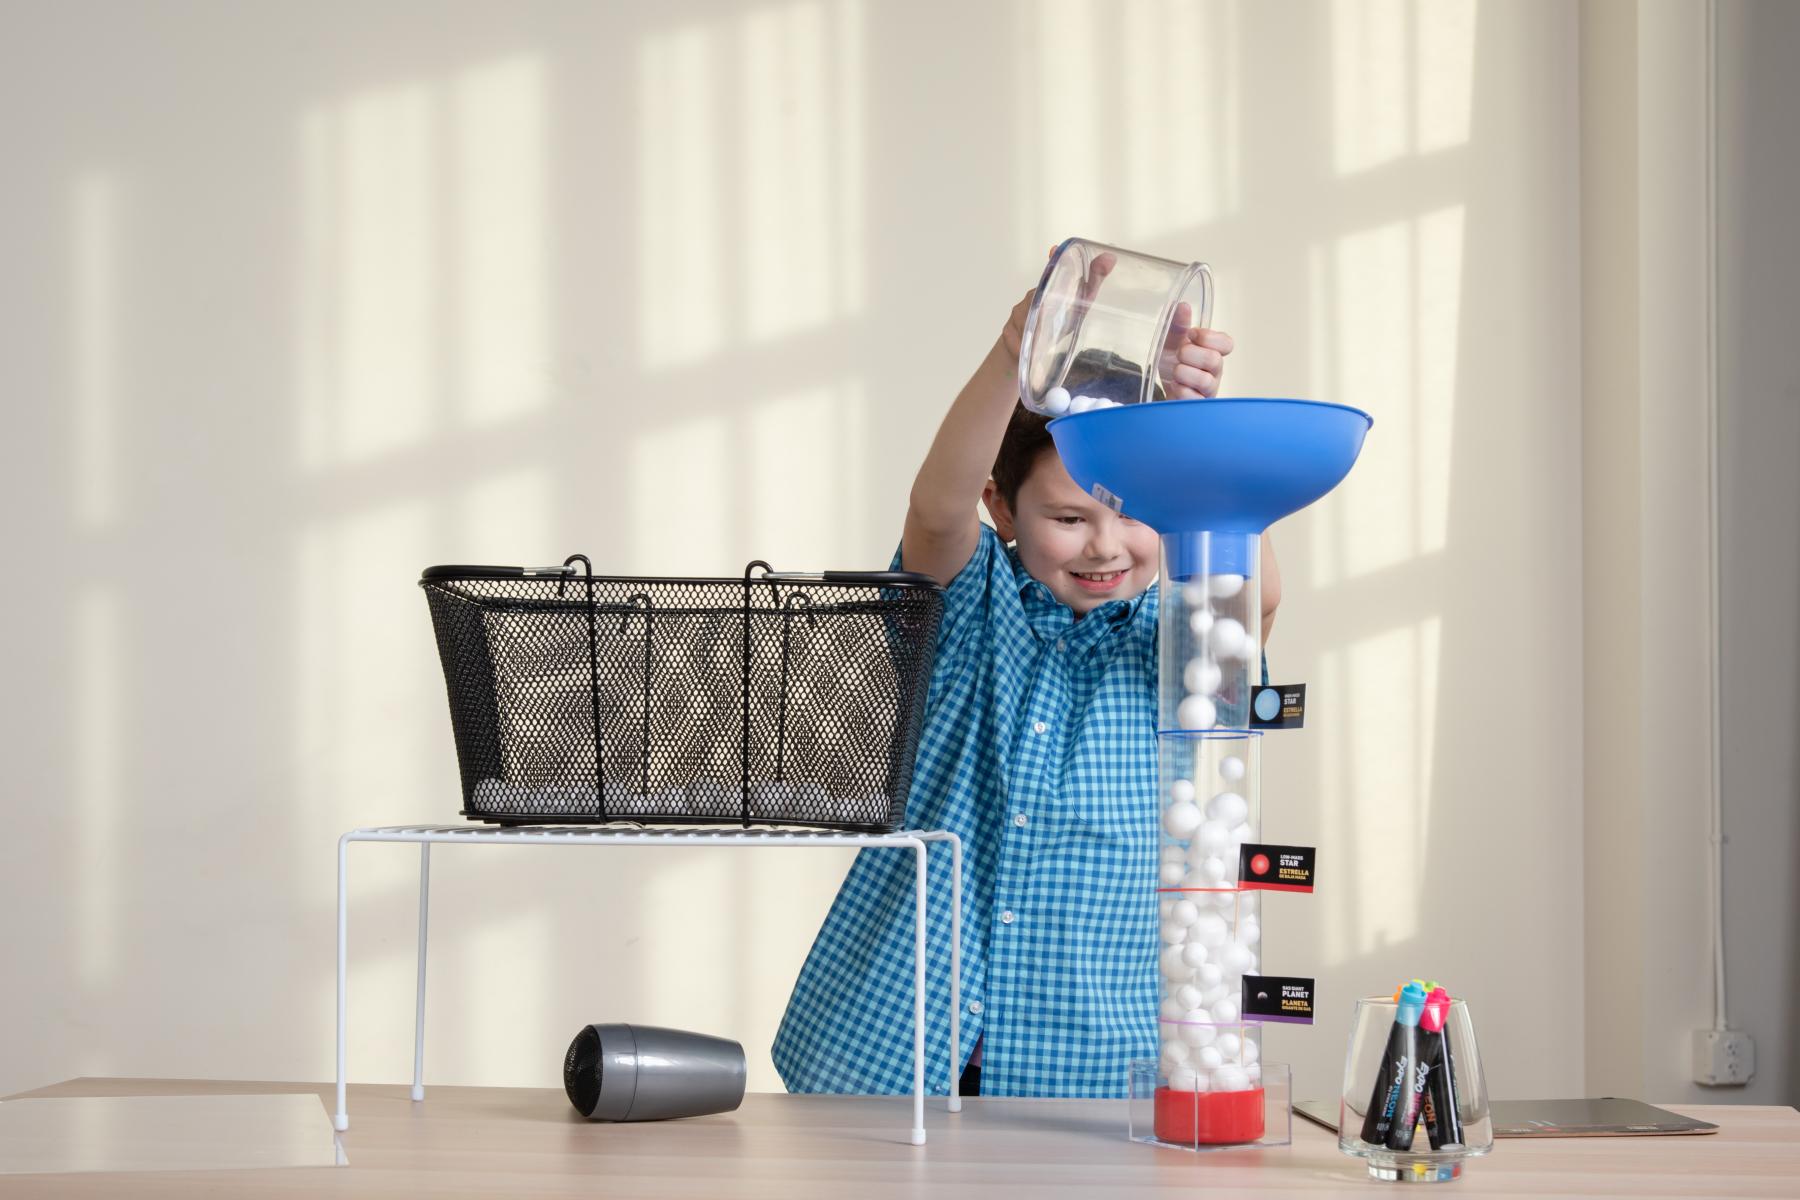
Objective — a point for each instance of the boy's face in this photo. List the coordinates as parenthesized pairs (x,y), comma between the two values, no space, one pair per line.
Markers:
(1085,553)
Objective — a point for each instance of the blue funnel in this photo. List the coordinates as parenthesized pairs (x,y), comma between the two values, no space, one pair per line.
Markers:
(1218,466)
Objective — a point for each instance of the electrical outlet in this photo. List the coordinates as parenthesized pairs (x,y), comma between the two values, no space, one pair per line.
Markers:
(1723,1057)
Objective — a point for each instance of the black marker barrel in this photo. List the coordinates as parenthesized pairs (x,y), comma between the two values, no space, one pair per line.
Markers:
(1396,1067)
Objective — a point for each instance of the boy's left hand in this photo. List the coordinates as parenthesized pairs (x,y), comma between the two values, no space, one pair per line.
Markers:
(1193,359)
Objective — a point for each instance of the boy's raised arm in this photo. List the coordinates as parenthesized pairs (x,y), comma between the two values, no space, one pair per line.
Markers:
(941,522)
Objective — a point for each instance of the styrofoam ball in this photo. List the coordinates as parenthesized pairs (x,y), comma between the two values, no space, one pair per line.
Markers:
(1170,874)
(1182,791)
(1212,837)
(1250,1051)
(1225,1011)
(1081,404)
(1196,1016)
(1224,587)
(1242,833)
(1173,934)
(1201,622)
(1173,853)
(1209,930)
(1207,975)
(1202,675)
(1214,869)
(1170,1010)
(1173,969)
(1202,1081)
(1195,878)
(1213,995)
(1188,995)
(1227,808)
(1173,1047)
(1193,593)
(1249,932)
(1210,1058)
(1229,1044)
(1184,913)
(1056,401)
(1195,955)
(1228,639)
(1181,819)
(1200,1034)
(1230,1078)
(1196,712)
(1236,958)
(1166,906)
(1183,1079)
(1232,769)
(1253,966)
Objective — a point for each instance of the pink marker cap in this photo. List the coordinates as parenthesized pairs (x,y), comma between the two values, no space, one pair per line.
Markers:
(1437,1010)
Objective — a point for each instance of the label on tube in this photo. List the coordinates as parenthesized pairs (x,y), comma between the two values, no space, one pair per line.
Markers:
(1278,998)
(1276,868)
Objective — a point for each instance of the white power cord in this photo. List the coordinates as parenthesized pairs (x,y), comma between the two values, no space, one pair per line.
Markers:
(1717,781)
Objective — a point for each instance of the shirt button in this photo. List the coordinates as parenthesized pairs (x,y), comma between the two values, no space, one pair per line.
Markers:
(975,1007)
(1006,918)
(1021,820)
(1039,727)
(1061,645)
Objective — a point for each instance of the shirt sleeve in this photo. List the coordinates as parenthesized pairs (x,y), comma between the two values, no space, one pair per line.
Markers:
(968,597)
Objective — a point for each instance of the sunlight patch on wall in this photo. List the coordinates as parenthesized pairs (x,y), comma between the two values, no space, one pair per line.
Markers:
(1060,121)
(684,496)
(1387,338)
(499,149)
(1375,777)
(1180,121)
(801,110)
(1402,79)
(681,196)
(507,518)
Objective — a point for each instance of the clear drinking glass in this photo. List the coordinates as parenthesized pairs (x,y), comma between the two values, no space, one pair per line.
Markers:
(1452,1122)
(1105,325)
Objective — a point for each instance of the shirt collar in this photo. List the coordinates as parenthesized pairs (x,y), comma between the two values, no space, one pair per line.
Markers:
(1051,619)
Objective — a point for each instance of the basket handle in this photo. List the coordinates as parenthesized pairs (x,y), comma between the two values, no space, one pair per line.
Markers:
(870,578)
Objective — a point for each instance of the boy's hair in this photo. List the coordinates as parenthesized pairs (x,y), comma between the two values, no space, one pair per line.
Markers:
(1027,437)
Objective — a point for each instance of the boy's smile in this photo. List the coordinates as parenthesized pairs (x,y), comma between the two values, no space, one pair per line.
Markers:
(1086,554)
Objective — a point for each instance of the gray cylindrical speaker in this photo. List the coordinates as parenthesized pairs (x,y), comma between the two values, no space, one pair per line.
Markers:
(647,1073)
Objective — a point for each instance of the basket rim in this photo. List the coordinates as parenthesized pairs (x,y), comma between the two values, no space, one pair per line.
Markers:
(450,573)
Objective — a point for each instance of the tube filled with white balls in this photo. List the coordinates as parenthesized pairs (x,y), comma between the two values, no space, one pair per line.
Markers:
(1209,932)
(1210,935)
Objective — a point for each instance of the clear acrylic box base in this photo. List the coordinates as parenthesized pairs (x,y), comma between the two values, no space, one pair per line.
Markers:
(1207,1121)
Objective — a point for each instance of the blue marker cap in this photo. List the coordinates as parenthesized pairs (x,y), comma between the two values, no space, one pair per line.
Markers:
(1412,1004)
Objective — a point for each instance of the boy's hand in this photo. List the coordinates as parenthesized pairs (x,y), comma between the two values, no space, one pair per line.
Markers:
(1193,359)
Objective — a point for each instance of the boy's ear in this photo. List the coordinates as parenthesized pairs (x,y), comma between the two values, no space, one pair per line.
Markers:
(1000,511)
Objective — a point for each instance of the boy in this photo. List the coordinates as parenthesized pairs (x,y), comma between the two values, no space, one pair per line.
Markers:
(1039,750)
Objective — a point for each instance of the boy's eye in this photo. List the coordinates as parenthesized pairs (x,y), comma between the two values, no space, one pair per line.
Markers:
(1068,520)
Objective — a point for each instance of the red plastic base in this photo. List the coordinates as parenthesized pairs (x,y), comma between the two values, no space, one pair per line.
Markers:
(1209,1118)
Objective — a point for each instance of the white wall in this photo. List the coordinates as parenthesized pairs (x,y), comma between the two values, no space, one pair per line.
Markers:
(303,299)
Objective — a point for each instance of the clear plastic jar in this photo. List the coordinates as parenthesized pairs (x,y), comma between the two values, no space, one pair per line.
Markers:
(1105,325)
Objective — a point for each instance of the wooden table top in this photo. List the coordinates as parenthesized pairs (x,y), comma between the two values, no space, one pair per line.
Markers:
(504,1142)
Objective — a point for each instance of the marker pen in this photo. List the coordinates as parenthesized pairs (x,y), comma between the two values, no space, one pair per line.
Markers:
(1443,1123)
(1429,1046)
(1391,1080)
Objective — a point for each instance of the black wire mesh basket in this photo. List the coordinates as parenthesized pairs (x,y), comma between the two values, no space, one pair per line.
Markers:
(775,699)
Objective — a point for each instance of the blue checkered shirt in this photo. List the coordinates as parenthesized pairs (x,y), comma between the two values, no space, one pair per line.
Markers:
(1039,750)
